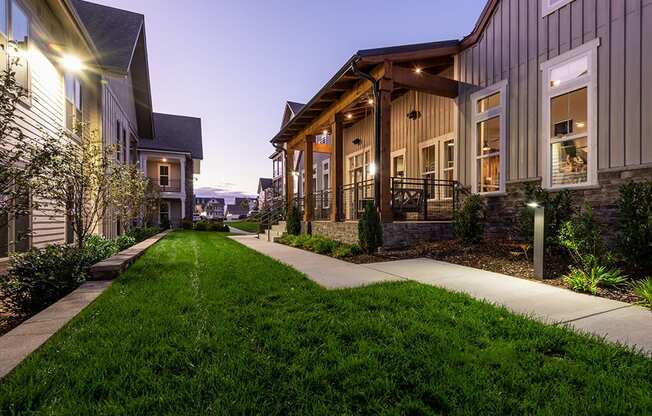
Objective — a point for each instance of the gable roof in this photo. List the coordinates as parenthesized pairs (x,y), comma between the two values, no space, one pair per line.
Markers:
(291,110)
(177,134)
(264,183)
(115,32)
(295,107)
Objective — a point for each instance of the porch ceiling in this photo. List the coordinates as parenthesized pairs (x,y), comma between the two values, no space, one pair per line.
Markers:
(345,93)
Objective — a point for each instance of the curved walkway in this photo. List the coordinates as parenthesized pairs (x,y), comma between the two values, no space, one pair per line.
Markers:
(615,321)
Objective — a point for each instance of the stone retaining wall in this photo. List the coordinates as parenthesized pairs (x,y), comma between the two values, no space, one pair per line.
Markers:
(345,232)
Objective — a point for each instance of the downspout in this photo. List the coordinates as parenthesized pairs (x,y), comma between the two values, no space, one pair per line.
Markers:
(285,157)
(376,89)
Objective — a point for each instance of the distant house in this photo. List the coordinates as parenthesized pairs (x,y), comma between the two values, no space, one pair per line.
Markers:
(265,192)
(240,208)
(212,208)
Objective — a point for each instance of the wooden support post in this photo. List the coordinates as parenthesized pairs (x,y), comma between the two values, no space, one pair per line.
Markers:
(308,196)
(337,166)
(385,171)
(289,177)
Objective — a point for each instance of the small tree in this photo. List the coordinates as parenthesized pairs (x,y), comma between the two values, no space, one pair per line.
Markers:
(128,194)
(370,231)
(293,220)
(80,185)
(23,160)
(468,222)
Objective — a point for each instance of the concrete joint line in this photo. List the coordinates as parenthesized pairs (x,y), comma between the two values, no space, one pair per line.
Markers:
(593,314)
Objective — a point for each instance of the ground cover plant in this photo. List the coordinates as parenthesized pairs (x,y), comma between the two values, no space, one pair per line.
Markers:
(321,245)
(203,325)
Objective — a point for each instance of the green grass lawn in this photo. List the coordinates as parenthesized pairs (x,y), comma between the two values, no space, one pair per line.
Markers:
(251,227)
(203,325)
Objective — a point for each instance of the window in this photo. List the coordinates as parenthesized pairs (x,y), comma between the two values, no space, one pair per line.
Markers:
(429,162)
(19,24)
(164,175)
(3,18)
(326,180)
(549,6)
(398,164)
(118,147)
(314,179)
(164,213)
(569,109)
(488,139)
(359,166)
(74,115)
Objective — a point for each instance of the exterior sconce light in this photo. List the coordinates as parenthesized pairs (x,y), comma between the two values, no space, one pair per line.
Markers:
(72,63)
(414,115)
(370,101)
(357,141)
(417,70)
(349,116)
(539,236)
(372,169)
(164,160)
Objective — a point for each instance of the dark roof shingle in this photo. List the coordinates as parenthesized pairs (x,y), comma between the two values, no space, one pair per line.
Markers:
(176,133)
(114,32)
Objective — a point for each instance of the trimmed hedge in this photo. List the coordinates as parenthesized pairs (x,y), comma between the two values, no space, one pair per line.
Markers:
(321,245)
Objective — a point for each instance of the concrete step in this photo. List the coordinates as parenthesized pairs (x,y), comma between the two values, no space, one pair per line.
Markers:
(270,235)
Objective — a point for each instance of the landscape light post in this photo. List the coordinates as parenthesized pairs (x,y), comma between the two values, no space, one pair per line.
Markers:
(539,236)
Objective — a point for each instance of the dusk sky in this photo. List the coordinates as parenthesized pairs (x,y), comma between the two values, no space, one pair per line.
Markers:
(235,63)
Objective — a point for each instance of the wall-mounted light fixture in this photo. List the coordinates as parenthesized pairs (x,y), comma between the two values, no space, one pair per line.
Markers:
(357,141)
(349,116)
(71,63)
(325,132)
(414,115)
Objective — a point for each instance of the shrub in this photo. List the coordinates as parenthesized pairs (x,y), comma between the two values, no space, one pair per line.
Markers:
(370,231)
(40,277)
(346,250)
(143,233)
(320,245)
(186,224)
(589,279)
(98,248)
(293,220)
(635,225)
(218,227)
(124,242)
(558,209)
(201,226)
(643,289)
(468,222)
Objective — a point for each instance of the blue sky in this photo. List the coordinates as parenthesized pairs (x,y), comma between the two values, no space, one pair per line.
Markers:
(235,63)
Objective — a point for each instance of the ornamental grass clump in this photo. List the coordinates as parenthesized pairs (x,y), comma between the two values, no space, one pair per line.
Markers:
(643,289)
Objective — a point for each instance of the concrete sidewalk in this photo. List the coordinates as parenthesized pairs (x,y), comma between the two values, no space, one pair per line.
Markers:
(615,321)
(326,271)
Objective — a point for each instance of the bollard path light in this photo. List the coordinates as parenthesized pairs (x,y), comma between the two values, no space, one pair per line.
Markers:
(539,236)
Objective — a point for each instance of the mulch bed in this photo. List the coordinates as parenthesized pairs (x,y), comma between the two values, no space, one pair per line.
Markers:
(496,256)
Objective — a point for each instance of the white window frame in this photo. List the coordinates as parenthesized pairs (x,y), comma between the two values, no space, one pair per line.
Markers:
(394,155)
(160,165)
(477,118)
(547,8)
(590,81)
(443,145)
(365,163)
(325,183)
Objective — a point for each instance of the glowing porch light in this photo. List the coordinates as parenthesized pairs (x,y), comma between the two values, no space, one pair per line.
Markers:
(325,132)
(556,82)
(164,160)
(349,116)
(372,169)
(370,101)
(417,70)
(71,63)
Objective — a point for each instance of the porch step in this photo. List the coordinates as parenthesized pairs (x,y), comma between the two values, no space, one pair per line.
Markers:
(271,235)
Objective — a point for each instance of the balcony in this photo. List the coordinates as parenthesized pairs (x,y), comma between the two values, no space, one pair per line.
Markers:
(167,185)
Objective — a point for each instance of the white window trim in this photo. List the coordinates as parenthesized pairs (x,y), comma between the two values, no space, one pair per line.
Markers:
(159,172)
(590,81)
(325,186)
(547,9)
(395,154)
(476,118)
(365,163)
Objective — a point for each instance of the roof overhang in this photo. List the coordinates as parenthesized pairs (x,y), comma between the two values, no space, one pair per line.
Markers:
(431,57)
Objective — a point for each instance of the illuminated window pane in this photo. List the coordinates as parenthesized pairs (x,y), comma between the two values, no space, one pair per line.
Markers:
(489,174)
(570,161)
(489,102)
(569,71)
(428,159)
(399,166)
(449,154)
(488,136)
(19,26)
(569,113)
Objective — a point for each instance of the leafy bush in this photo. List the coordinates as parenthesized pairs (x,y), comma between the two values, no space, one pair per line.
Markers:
(370,231)
(124,242)
(346,250)
(40,277)
(98,248)
(635,225)
(589,279)
(218,227)
(201,226)
(143,233)
(558,209)
(186,224)
(468,222)
(321,245)
(643,289)
(293,226)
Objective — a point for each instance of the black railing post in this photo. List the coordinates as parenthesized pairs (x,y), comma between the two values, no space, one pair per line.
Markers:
(356,195)
(425,199)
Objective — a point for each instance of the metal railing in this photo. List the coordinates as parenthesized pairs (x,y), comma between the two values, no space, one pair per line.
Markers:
(273,212)
(354,197)
(167,185)
(321,202)
(423,199)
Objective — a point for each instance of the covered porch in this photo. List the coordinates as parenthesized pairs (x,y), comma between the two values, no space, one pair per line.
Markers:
(390,115)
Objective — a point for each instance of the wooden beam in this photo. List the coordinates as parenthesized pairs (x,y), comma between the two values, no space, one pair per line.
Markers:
(337,167)
(424,82)
(308,196)
(384,170)
(322,148)
(340,105)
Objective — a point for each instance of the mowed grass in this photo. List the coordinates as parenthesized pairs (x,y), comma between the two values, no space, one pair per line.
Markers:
(203,325)
(248,226)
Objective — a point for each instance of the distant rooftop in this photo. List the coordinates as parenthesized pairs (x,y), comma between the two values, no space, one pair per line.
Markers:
(176,134)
